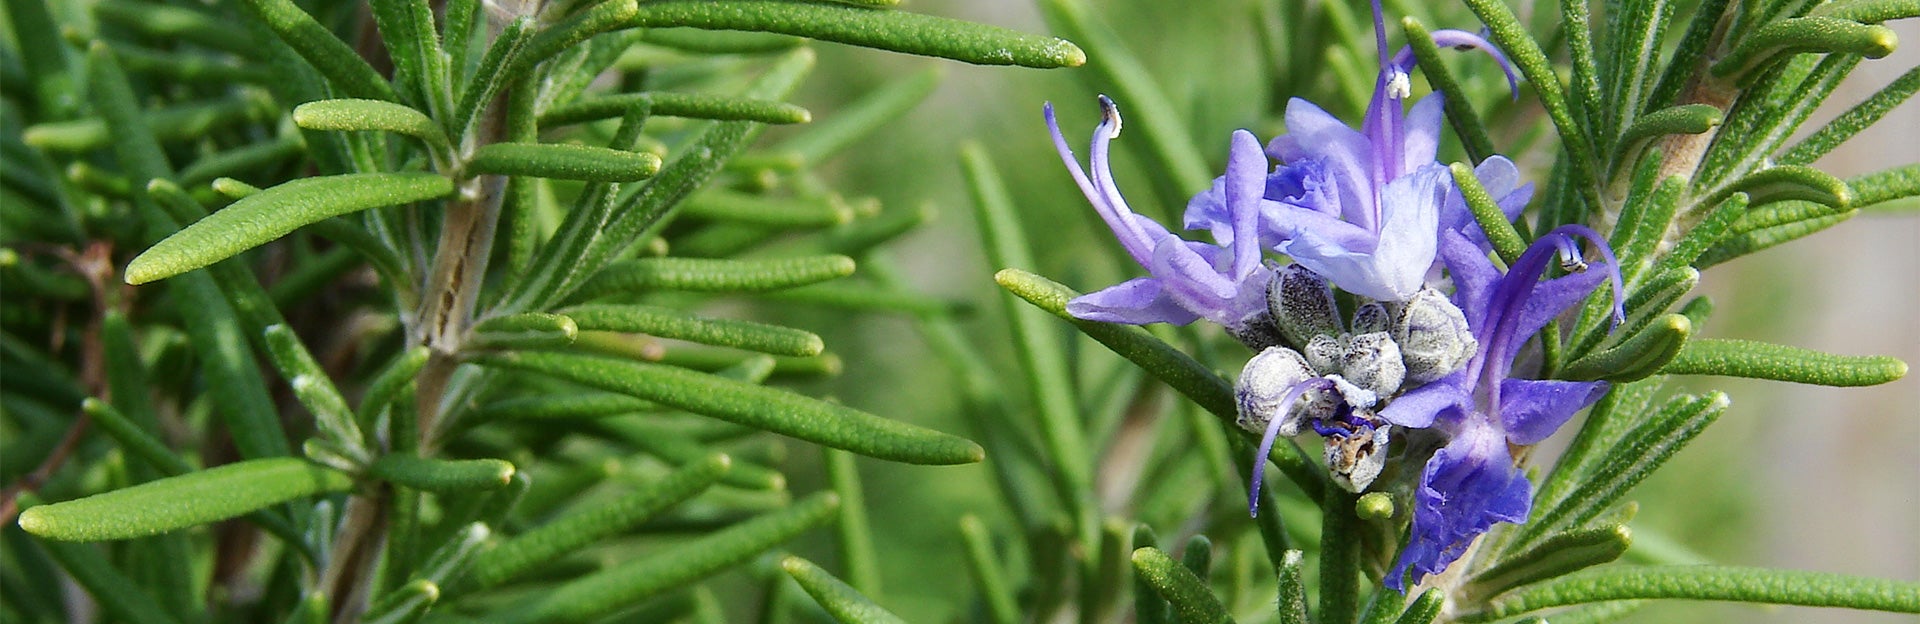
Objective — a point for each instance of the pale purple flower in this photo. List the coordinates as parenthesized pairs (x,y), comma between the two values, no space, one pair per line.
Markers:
(1187,280)
(1363,208)
(1472,482)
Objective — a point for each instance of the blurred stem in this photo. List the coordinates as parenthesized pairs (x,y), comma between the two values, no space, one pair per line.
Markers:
(1339,559)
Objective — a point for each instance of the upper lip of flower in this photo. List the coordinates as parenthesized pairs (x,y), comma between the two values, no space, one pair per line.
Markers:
(1207,280)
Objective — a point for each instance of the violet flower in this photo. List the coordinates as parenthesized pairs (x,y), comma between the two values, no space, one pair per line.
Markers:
(1188,280)
(1362,208)
(1472,482)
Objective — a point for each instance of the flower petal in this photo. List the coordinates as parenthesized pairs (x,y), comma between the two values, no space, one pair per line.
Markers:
(1246,182)
(1468,486)
(1137,301)
(1421,407)
(1532,409)
(1313,134)
(1422,134)
(1410,207)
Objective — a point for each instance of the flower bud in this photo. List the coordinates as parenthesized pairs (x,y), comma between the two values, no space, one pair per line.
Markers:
(1374,362)
(1433,337)
(1302,305)
(1265,382)
(1327,354)
(1372,317)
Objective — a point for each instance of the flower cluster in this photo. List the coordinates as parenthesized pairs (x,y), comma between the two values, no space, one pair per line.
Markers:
(1369,212)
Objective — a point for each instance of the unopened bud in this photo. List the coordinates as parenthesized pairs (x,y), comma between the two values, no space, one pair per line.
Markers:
(1264,384)
(1372,317)
(1433,337)
(1373,362)
(1326,353)
(1302,305)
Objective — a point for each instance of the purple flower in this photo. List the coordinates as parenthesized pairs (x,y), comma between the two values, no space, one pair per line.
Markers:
(1472,483)
(1363,208)
(1223,283)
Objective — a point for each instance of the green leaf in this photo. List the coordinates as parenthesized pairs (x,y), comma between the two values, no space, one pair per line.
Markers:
(1043,360)
(585,526)
(172,124)
(174,23)
(370,115)
(551,40)
(178,502)
(668,104)
(1506,240)
(720,42)
(1624,464)
(1821,35)
(1424,608)
(715,275)
(897,31)
(1855,120)
(1632,54)
(870,299)
(405,605)
(670,323)
(1557,555)
(768,212)
(1875,189)
(605,592)
(1192,602)
(856,534)
(1637,357)
(988,578)
(571,406)
(486,81)
(1293,588)
(275,212)
(314,389)
(332,57)
(1787,182)
(1728,583)
(397,375)
(564,162)
(1868,11)
(1340,556)
(1682,119)
(530,330)
(755,406)
(1760,360)
(861,118)
(443,475)
(134,438)
(1770,226)
(116,594)
(1525,52)
(841,600)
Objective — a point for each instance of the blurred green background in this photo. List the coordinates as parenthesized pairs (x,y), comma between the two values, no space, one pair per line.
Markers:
(1793,476)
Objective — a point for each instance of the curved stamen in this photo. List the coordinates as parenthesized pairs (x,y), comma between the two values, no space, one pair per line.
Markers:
(1450,38)
(1134,239)
(1273,429)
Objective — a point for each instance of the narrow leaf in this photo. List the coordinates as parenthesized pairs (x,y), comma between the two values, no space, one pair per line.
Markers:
(178,502)
(531,330)
(603,593)
(670,323)
(1728,583)
(583,527)
(1880,187)
(751,405)
(1855,120)
(1760,360)
(565,162)
(705,275)
(1637,357)
(275,212)
(861,117)
(1560,554)
(405,605)
(770,212)
(449,476)
(369,115)
(1293,588)
(1460,112)
(988,577)
(897,31)
(1803,34)
(1626,463)
(1525,52)
(1506,240)
(115,593)
(856,534)
(669,104)
(133,438)
(332,57)
(1192,602)
(1787,182)
(1868,11)
(1682,119)
(1424,608)
(841,600)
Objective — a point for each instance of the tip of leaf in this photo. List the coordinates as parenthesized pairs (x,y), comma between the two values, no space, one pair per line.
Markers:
(143,270)
(793,564)
(1072,55)
(35,522)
